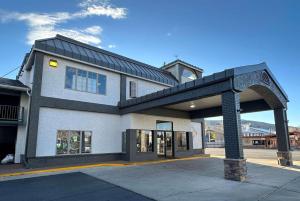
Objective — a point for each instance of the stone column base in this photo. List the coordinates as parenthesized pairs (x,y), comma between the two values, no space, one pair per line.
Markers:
(235,169)
(284,158)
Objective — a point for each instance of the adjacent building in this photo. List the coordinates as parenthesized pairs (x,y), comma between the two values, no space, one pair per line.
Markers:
(270,141)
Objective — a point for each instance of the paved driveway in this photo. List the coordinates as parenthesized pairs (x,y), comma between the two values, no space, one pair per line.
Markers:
(65,187)
(202,179)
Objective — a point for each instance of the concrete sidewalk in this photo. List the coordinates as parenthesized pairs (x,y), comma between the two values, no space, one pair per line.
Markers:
(202,179)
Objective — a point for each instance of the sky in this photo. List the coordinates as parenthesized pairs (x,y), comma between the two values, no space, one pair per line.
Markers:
(211,34)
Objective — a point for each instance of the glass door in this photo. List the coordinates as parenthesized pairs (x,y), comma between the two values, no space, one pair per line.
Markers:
(164,138)
(169,144)
(161,143)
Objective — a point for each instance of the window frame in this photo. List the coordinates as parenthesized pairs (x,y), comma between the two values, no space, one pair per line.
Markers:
(76,70)
(69,137)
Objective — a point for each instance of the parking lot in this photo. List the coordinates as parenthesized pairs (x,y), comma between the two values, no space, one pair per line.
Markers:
(192,179)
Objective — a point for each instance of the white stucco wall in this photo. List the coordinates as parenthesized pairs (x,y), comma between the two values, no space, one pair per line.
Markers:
(106,136)
(53,83)
(142,121)
(26,77)
(144,87)
(22,129)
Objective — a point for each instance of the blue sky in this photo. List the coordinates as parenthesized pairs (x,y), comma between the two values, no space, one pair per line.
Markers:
(211,34)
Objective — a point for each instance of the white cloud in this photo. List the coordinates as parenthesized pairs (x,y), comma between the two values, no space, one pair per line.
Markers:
(111,46)
(93,30)
(98,7)
(45,25)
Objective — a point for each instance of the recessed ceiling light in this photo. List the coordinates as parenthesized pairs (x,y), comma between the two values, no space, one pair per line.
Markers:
(192,106)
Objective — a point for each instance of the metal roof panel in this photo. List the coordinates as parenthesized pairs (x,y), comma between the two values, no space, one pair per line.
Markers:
(77,50)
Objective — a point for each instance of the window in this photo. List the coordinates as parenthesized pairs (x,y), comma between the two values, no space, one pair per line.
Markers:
(73,142)
(132,89)
(81,80)
(182,141)
(188,75)
(86,145)
(86,81)
(258,142)
(101,84)
(144,140)
(70,78)
(92,82)
(62,142)
(164,125)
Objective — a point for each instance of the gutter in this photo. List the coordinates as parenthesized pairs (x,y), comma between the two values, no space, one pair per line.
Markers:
(13,88)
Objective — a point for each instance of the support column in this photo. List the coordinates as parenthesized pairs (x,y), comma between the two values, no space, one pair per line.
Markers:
(234,164)
(203,135)
(34,108)
(283,140)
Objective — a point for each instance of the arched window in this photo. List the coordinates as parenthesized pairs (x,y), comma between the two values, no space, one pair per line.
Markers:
(188,75)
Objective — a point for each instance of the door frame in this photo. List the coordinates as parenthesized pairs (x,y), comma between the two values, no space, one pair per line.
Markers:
(164,133)
(165,137)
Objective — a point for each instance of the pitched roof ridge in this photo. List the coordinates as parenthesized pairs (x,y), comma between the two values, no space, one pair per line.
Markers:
(183,62)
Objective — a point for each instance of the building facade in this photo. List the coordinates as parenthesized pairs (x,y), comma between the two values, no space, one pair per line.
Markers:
(270,141)
(74,103)
(70,108)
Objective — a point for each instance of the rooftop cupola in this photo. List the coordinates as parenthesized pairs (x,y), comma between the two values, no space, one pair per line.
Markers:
(183,71)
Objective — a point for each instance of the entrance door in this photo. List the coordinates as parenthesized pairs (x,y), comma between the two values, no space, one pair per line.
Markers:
(161,149)
(169,144)
(165,144)
(164,138)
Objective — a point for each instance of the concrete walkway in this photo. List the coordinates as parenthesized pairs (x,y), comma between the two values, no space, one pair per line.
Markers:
(202,179)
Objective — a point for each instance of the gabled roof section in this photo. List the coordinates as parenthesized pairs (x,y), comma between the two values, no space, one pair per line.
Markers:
(178,61)
(12,84)
(80,51)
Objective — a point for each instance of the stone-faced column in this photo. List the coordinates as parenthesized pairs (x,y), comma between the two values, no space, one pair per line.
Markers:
(283,143)
(234,164)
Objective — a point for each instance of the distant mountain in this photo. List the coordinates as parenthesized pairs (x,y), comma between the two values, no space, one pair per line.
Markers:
(258,124)
(254,124)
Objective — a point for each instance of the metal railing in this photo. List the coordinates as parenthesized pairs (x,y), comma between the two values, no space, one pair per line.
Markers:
(11,113)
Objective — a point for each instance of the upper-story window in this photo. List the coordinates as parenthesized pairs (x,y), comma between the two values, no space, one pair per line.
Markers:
(188,75)
(132,89)
(82,80)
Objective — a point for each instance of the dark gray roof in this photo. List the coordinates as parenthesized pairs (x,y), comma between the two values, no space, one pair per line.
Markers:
(74,49)
(183,62)
(200,82)
(11,82)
